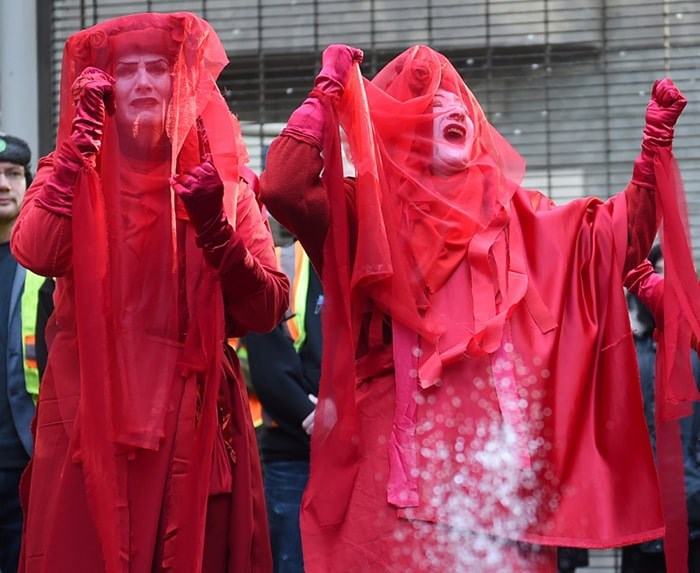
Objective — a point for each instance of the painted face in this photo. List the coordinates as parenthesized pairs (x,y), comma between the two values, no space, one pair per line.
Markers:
(143,87)
(13,185)
(453,134)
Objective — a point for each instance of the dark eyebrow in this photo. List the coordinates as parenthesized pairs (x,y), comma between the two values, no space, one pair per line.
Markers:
(128,62)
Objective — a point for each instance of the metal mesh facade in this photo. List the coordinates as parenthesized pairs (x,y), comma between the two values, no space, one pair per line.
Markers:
(565,81)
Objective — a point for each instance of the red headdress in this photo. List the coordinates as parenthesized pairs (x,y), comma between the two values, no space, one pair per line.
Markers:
(429,223)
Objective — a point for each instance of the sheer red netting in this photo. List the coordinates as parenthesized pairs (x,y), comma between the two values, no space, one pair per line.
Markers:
(439,218)
(132,332)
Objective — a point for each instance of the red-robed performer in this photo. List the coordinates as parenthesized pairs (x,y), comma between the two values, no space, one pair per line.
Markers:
(145,455)
(480,402)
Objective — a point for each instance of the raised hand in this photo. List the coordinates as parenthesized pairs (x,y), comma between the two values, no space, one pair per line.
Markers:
(336,63)
(202,192)
(307,121)
(664,109)
(93,95)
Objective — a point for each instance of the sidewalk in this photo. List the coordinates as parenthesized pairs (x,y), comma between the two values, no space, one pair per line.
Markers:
(603,561)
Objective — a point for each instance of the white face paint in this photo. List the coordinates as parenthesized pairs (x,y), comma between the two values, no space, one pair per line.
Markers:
(142,90)
(453,134)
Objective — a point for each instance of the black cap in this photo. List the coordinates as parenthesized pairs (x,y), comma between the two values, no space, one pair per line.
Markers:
(14,150)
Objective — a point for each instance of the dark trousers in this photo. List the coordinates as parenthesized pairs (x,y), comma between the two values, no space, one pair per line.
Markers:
(569,558)
(636,560)
(10,520)
(284,485)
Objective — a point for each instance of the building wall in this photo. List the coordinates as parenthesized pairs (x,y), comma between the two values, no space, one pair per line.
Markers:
(18,80)
(565,81)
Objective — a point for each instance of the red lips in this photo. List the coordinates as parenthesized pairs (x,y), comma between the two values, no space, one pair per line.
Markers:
(144,102)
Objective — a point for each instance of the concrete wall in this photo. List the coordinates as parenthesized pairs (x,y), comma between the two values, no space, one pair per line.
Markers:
(18,78)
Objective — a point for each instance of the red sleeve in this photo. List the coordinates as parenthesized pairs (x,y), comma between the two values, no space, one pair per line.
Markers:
(648,285)
(641,224)
(41,239)
(256,293)
(296,197)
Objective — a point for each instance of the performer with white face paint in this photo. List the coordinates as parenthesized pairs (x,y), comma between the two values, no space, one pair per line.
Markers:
(145,457)
(477,343)
(143,87)
(453,132)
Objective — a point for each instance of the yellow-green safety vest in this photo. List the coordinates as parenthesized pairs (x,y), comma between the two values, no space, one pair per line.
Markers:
(30,301)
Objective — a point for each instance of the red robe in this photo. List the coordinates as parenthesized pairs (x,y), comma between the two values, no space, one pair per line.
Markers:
(145,454)
(58,522)
(584,395)
(491,395)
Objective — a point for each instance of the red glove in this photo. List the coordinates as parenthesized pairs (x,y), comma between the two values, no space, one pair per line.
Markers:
(648,285)
(336,63)
(306,123)
(56,194)
(93,95)
(664,109)
(202,193)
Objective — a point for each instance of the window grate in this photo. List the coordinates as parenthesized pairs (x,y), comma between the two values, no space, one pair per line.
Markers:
(565,81)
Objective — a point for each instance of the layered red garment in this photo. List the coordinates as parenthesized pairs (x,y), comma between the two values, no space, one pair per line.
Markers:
(143,432)
(501,400)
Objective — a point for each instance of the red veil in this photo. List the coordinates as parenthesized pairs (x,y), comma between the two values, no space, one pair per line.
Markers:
(439,220)
(413,229)
(137,329)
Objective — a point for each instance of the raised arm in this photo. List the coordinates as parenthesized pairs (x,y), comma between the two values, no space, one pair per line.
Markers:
(42,237)
(291,185)
(255,292)
(664,108)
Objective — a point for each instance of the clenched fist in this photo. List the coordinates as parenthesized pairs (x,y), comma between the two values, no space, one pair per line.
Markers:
(664,109)
(93,95)
(337,61)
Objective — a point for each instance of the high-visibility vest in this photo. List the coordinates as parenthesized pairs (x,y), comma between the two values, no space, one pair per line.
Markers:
(298,275)
(30,301)
(297,303)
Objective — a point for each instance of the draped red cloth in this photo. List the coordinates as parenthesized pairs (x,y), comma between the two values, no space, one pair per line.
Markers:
(484,320)
(153,405)
(675,303)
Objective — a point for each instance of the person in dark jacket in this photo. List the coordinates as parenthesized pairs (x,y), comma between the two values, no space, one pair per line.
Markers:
(285,368)
(18,375)
(649,557)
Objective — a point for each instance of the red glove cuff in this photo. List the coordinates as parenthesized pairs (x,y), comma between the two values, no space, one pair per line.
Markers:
(56,195)
(218,239)
(307,122)
(643,171)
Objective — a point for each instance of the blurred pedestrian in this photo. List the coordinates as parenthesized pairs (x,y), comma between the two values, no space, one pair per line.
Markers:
(19,380)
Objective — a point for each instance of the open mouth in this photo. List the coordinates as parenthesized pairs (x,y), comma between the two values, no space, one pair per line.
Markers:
(144,102)
(455,132)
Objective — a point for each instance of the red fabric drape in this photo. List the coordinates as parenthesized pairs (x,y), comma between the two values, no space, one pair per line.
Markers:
(675,384)
(145,315)
(541,284)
